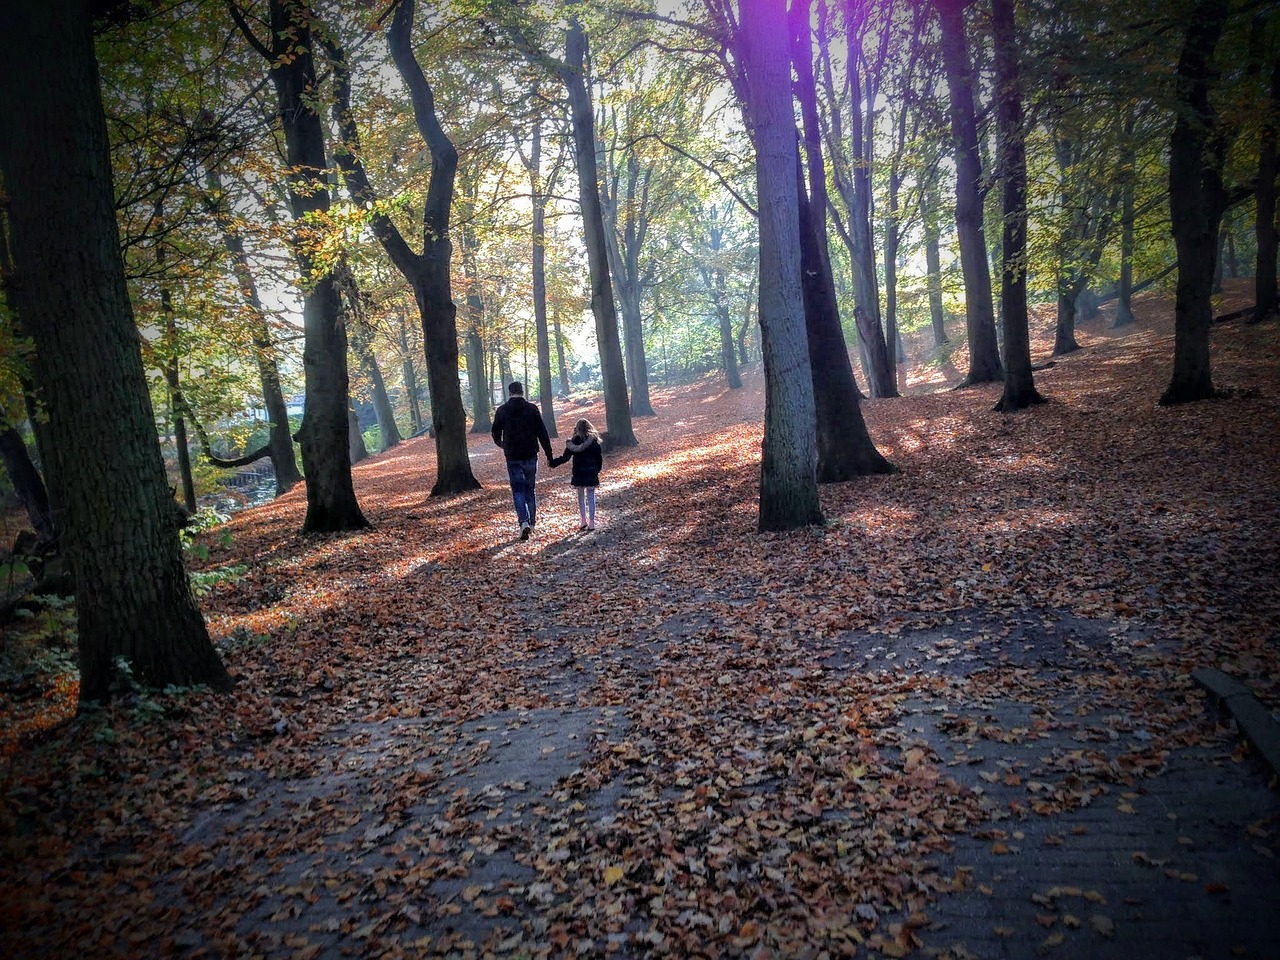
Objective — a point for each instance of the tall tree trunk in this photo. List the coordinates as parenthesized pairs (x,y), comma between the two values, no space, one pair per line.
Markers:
(480,412)
(1019,384)
(625,228)
(283,460)
(1266,229)
(481,415)
(355,437)
(427,273)
(546,392)
(560,360)
(866,289)
(326,461)
(788,466)
(933,264)
(721,293)
(984,352)
(66,284)
(177,403)
(845,449)
(362,348)
(1128,173)
(616,406)
(1196,202)
(409,377)
(26,480)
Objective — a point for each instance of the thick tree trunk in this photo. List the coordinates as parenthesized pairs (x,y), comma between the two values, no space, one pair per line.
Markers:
(616,405)
(427,273)
(788,467)
(1019,384)
(1196,202)
(1064,336)
(1266,299)
(431,281)
(546,391)
(326,462)
(845,449)
(984,353)
(117,522)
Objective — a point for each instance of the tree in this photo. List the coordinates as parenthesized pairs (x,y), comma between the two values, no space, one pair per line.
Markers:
(984,354)
(326,460)
(853,181)
(66,283)
(1019,384)
(1197,199)
(572,72)
(759,39)
(1266,297)
(428,272)
(845,449)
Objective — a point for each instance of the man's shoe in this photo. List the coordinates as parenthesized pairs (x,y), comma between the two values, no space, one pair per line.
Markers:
(525,530)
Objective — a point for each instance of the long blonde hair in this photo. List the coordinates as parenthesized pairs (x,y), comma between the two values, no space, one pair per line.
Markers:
(583,429)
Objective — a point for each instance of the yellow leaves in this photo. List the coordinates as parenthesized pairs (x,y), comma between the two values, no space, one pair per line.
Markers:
(612,874)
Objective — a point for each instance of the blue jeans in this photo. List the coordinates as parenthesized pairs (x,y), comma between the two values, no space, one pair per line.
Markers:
(523,474)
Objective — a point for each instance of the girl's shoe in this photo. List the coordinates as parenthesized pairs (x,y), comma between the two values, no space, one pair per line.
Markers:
(584,527)
(592,527)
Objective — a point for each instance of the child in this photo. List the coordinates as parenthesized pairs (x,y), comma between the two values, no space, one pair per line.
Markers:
(588,458)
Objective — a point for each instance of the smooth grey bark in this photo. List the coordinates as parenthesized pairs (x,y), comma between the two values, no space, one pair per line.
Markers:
(1019,383)
(177,402)
(428,272)
(481,421)
(856,191)
(984,352)
(1197,199)
(546,392)
(65,281)
(624,204)
(788,466)
(617,407)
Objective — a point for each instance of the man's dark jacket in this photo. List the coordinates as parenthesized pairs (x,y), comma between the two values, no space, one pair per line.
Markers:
(518,429)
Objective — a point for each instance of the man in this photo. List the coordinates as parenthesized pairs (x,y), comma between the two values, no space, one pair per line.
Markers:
(518,429)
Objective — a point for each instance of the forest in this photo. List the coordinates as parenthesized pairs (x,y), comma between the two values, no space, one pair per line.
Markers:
(934,352)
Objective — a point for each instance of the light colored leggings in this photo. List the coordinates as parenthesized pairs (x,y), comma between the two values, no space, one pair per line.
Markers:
(587,502)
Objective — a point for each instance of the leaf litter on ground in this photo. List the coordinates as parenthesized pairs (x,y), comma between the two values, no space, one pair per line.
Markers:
(675,736)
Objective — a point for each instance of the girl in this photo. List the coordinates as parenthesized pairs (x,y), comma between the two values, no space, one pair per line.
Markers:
(588,458)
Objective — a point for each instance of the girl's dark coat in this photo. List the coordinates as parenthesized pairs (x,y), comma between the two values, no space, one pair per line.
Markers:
(587,457)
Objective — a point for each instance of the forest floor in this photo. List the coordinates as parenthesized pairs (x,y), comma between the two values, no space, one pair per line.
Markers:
(956,721)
